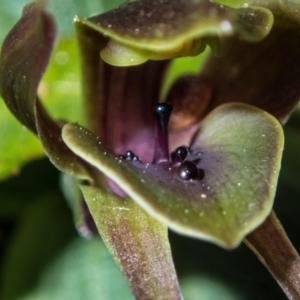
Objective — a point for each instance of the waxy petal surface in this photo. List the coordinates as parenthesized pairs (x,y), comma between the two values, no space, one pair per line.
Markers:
(138,243)
(267,73)
(241,147)
(21,74)
(142,30)
(22,63)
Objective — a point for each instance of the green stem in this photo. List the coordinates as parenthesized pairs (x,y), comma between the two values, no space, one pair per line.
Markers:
(274,249)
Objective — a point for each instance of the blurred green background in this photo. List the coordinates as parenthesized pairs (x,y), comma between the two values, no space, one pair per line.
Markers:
(41,254)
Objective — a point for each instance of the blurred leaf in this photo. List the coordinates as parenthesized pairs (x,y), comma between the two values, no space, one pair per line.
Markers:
(41,232)
(17,144)
(29,184)
(84,270)
(205,269)
(208,287)
(64,12)
(10,13)
(44,259)
(60,88)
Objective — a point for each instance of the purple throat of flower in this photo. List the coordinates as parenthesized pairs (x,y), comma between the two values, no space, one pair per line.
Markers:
(183,161)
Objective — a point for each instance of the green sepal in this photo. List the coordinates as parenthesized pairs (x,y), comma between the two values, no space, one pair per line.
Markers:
(138,243)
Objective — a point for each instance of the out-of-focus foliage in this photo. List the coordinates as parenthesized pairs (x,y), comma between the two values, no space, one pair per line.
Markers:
(42,257)
(64,12)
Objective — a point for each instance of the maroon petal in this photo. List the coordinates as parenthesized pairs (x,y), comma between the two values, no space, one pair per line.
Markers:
(265,74)
(25,55)
(24,58)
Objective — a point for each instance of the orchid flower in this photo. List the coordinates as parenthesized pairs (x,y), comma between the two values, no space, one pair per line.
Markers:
(212,172)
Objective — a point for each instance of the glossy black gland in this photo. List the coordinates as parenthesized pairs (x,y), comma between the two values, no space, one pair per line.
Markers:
(180,154)
(163,109)
(129,155)
(188,170)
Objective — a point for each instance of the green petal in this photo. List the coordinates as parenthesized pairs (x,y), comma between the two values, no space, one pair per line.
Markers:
(242,148)
(138,243)
(232,3)
(142,30)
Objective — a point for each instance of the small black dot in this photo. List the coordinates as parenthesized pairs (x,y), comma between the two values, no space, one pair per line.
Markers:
(130,156)
(180,153)
(163,108)
(188,170)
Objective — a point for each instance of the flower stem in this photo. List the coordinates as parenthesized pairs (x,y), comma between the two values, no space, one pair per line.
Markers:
(274,249)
